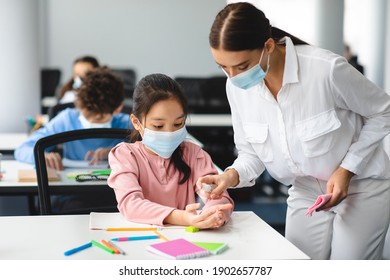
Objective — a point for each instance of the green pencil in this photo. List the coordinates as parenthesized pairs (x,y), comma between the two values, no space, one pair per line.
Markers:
(97,244)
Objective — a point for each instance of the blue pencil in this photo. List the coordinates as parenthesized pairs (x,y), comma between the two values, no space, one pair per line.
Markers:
(78,249)
(133,238)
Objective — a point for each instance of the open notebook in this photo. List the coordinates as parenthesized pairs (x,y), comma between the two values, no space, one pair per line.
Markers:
(70,163)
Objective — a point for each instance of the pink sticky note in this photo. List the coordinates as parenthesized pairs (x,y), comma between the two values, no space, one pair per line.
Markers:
(321,200)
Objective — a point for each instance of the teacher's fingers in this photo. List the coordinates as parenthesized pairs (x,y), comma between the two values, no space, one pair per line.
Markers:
(218,191)
(209,179)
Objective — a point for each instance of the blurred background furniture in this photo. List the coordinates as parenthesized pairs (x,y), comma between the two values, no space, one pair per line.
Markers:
(50,80)
(89,197)
(129,79)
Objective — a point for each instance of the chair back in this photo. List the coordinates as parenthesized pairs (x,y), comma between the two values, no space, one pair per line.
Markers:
(192,88)
(50,79)
(53,111)
(44,190)
(129,79)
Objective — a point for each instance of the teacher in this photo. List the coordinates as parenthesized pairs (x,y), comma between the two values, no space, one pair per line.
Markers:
(313,121)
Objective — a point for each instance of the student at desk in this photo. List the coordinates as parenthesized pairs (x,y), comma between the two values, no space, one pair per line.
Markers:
(98,105)
(154,177)
(81,66)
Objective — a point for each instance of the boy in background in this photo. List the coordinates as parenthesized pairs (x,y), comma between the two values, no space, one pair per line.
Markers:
(98,105)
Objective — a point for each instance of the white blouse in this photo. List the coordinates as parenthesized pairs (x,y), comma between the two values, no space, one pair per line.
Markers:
(327,114)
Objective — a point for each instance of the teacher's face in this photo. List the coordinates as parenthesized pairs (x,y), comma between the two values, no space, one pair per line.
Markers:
(236,62)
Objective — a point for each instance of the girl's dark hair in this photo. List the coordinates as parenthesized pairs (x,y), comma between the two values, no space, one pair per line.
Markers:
(102,92)
(241,26)
(150,90)
(86,59)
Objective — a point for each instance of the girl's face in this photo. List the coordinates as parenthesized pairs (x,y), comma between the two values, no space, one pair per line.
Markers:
(166,115)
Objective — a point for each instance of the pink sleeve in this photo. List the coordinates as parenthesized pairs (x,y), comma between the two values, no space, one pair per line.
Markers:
(205,166)
(124,180)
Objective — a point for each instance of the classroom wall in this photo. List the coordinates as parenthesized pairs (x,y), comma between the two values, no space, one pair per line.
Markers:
(19,63)
(387,48)
(168,36)
(365,31)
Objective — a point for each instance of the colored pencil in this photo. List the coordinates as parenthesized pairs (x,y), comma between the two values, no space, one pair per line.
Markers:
(97,244)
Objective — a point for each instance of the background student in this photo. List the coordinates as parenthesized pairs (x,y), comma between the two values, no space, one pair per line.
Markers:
(98,105)
(81,66)
(313,121)
(154,177)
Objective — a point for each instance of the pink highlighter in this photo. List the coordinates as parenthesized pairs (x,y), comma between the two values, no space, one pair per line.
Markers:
(321,200)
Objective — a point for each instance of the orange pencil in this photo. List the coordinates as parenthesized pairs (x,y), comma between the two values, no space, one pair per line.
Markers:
(110,246)
(132,229)
(161,236)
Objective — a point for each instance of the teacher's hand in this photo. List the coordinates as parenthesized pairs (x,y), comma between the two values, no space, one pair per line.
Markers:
(222,181)
(337,185)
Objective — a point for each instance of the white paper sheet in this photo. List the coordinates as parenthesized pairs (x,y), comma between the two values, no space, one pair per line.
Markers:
(70,163)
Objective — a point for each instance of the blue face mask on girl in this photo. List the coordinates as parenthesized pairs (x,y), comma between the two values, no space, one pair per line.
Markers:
(250,77)
(163,143)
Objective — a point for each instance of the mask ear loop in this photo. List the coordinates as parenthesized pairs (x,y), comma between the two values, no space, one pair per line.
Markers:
(261,57)
(143,128)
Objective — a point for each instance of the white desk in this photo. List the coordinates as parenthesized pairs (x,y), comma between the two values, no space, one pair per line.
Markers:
(9,184)
(10,141)
(48,237)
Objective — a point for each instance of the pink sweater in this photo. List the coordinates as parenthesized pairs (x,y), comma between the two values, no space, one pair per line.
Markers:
(147,188)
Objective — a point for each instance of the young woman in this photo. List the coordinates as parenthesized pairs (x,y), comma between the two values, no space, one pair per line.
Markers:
(154,176)
(313,121)
(81,66)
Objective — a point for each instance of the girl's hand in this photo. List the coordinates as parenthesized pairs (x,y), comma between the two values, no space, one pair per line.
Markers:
(213,217)
(223,181)
(97,155)
(54,160)
(337,185)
